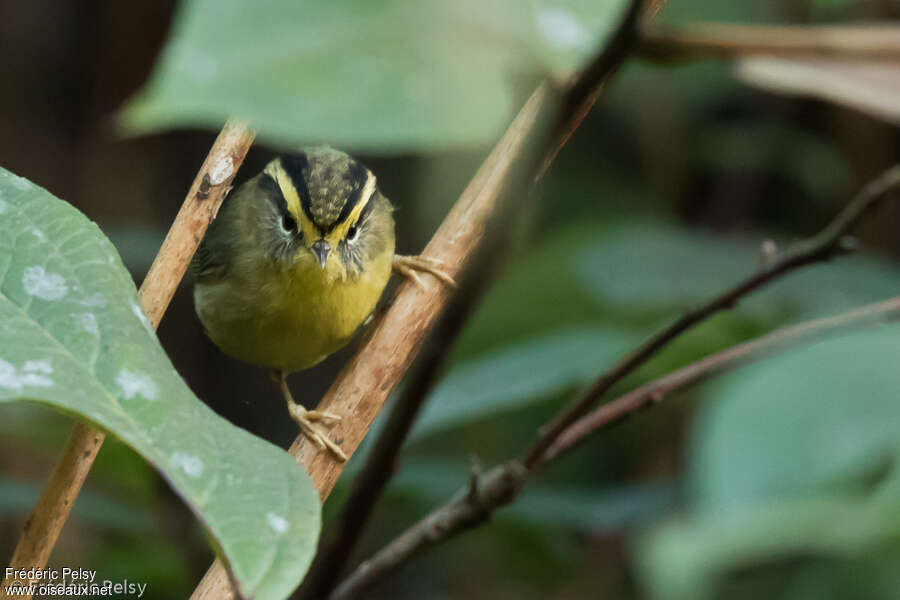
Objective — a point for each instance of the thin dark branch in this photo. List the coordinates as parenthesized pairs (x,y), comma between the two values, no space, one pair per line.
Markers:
(338,542)
(584,90)
(821,247)
(656,391)
(576,102)
(466,509)
(501,485)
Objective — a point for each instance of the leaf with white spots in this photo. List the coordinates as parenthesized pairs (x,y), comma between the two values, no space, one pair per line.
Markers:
(46,286)
(405,75)
(73,336)
(279,524)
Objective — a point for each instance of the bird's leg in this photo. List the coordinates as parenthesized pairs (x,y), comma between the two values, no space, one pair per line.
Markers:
(306,419)
(408,266)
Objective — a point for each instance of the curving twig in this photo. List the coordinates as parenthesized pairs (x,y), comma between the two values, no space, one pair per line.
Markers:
(475,502)
(656,391)
(826,244)
(586,88)
(199,208)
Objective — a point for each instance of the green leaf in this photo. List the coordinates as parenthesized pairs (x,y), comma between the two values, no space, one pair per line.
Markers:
(503,318)
(797,454)
(634,273)
(518,376)
(643,265)
(621,272)
(690,558)
(786,149)
(73,336)
(390,75)
(812,420)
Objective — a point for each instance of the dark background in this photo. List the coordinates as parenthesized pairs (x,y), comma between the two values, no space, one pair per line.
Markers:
(687,146)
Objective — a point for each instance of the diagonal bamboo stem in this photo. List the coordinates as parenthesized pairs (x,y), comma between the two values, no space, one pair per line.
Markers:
(652,393)
(365,382)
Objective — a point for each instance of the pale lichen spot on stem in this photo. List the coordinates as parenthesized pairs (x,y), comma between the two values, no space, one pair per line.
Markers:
(221,171)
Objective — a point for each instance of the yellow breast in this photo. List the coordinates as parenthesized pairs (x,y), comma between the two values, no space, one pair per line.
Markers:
(290,318)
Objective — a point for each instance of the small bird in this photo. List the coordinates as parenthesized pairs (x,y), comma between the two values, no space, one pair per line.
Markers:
(295,262)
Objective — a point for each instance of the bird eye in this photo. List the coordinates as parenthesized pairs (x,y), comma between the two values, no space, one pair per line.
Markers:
(351,233)
(288,223)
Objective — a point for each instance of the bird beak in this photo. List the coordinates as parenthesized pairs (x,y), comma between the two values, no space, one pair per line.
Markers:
(321,249)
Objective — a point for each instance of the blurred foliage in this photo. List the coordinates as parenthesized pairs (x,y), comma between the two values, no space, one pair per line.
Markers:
(100,510)
(393,75)
(508,379)
(75,337)
(795,456)
(593,509)
(776,482)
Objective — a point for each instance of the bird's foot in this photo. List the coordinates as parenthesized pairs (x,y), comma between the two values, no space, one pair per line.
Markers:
(410,266)
(325,418)
(306,419)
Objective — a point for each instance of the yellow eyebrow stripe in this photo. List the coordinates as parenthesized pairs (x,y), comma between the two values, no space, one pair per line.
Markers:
(295,206)
(366,195)
(292,199)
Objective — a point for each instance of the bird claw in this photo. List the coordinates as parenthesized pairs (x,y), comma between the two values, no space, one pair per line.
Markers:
(305,420)
(410,266)
(326,418)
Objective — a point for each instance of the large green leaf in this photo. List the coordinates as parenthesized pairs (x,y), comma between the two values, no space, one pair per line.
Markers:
(72,335)
(393,74)
(654,264)
(632,274)
(796,455)
(635,273)
(518,376)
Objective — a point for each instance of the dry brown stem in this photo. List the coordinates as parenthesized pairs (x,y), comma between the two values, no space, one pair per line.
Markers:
(365,382)
(720,40)
(731,358)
